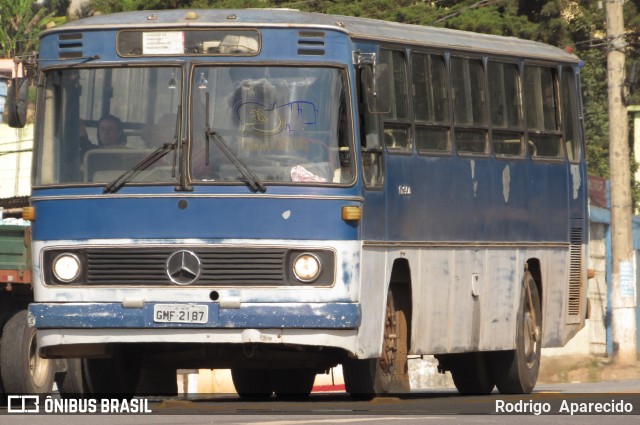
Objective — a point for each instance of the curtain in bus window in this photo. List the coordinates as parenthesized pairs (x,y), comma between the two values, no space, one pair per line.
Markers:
(569,115)
(397,127)
(430,102)
(467,84)
(504,107)
(540,106)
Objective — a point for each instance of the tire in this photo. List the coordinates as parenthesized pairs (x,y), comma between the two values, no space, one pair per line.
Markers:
(388,374)
(470,372)
(23,370)
(292,383)
(71,383)
(516,371)
(117,375)
(252,383)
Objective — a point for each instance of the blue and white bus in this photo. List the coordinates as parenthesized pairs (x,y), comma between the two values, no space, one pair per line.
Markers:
(290,191)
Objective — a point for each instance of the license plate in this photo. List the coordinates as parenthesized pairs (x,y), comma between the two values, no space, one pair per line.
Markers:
(180,313)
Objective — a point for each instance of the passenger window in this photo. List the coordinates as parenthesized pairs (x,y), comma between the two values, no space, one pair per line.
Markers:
(467,87)
(430,103)
(504,107)
(541,112)
(570,110)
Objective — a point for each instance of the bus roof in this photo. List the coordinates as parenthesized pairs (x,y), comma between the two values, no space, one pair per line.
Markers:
(355,27)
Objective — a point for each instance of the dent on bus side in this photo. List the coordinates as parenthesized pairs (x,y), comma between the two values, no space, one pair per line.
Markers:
(17,101)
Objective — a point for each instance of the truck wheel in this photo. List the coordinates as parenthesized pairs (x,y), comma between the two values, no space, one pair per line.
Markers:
(366,378)
(23,370)
(516,371)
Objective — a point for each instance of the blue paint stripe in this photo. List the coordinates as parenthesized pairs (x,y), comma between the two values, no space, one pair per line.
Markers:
(254,316)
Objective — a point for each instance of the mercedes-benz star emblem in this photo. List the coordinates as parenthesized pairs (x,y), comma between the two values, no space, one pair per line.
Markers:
(183,267)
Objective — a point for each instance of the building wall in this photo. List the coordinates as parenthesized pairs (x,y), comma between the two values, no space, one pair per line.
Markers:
(15,160)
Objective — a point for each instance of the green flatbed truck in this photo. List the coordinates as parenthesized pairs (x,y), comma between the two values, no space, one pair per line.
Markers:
(22,371)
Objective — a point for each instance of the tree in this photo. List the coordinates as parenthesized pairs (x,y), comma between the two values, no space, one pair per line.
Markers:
(20,24)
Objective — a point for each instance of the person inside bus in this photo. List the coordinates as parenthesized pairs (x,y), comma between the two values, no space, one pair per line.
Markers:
(110,134)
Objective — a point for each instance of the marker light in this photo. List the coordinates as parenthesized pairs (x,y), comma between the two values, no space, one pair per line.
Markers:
(306,267)
(351,213)
(28,213)
(66,267)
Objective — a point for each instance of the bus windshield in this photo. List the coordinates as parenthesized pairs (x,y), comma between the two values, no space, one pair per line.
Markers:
(288,125)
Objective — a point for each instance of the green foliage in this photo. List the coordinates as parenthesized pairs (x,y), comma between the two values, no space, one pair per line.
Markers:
(20,24)
(576,23)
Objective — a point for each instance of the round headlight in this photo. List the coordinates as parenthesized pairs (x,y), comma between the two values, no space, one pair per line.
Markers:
(306,267)
(66,267)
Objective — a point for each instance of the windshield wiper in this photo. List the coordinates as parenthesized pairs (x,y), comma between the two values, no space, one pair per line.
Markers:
(153,157)
(253,180)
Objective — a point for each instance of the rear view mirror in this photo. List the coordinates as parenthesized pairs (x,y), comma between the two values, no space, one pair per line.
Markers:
(17,100)
(375,81)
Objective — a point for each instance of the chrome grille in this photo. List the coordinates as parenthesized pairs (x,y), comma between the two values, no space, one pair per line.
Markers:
(220,266)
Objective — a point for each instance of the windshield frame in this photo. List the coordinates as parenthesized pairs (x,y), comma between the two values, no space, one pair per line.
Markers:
(184,150)
(43,113)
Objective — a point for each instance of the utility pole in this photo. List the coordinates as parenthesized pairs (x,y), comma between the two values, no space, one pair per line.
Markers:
(623,297)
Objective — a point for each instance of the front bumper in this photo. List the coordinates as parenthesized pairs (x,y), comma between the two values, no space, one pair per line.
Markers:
(246,316)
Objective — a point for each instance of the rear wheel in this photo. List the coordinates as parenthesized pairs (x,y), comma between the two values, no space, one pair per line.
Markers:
(364,379)
(516,371)
(23,370)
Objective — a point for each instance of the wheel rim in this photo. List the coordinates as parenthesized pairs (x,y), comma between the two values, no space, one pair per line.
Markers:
(390,341)
(531,332)
(38,366)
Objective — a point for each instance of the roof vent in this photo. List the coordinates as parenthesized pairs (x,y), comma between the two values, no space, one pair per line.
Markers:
(70,45)
(311,43)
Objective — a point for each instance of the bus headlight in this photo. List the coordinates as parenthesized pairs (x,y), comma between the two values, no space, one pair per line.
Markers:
(306,267)
(66,267)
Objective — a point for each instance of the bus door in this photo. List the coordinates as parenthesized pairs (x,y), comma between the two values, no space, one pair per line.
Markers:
(373,100)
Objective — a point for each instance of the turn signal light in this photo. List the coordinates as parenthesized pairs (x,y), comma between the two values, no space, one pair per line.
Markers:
(351,213)
(28,213)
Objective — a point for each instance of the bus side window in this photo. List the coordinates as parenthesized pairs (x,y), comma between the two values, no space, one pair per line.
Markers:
(467,84)
(431,103)
(570,121)
(541,112)
(504,109)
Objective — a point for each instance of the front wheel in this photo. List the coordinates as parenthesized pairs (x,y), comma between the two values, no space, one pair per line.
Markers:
(23,370)
(252,383)
(470,372)
(295,384)
(117,375)
(516,371)
(389,373)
